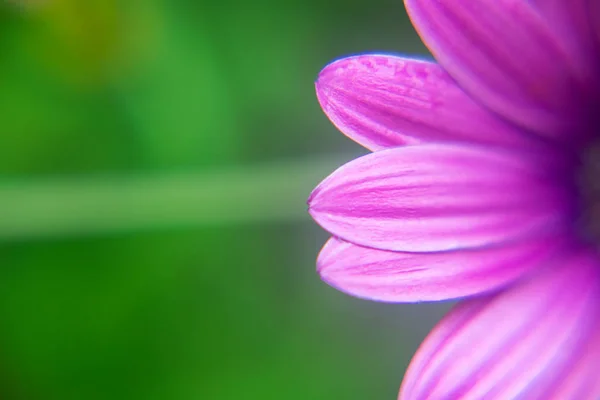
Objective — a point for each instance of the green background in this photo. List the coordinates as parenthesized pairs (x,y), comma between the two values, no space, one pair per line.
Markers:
(155,160)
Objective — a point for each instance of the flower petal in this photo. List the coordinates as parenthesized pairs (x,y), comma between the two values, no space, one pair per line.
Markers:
(531,341)
(439,197)
(595,18)
(504,54)
(383,101)
(408,277)
(571,23)
(578,382)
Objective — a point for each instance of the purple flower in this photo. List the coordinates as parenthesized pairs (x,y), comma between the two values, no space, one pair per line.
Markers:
(479,188)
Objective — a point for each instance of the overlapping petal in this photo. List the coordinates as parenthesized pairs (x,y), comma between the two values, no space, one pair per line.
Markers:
(504,53)
(439,197)
(539,339)
(409,277)
(384,101)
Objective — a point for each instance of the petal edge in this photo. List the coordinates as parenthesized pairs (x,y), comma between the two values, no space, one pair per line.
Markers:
(411,277)
(383,101)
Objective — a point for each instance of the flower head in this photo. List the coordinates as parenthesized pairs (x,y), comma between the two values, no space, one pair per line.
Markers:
(474,191)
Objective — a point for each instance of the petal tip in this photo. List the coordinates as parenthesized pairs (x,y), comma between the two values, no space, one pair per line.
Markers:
(311,198)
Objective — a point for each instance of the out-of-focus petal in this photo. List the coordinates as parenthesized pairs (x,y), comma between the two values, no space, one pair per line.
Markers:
(504,54)
(570,21)
(531,341)
(439,197)
(595,18)
(408,277)
(383,101)
(578,382)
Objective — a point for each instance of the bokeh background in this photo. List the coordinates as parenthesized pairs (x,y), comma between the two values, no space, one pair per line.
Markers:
(155,159)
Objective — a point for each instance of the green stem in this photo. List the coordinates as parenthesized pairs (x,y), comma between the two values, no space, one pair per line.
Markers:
(83,206)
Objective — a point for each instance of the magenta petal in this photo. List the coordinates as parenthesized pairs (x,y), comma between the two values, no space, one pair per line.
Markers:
(408,277)
(571,23)
(531,341)
(437,197)
(504,54)
(595,18)
(383,101)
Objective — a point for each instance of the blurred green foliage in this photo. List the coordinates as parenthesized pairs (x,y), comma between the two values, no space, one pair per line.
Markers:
(95,94)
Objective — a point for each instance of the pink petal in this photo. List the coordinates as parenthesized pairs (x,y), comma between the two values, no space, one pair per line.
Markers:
(531,341)
(504,54)
(438,197)
(578,382)
(408,277)
(571,23)
(383,101)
